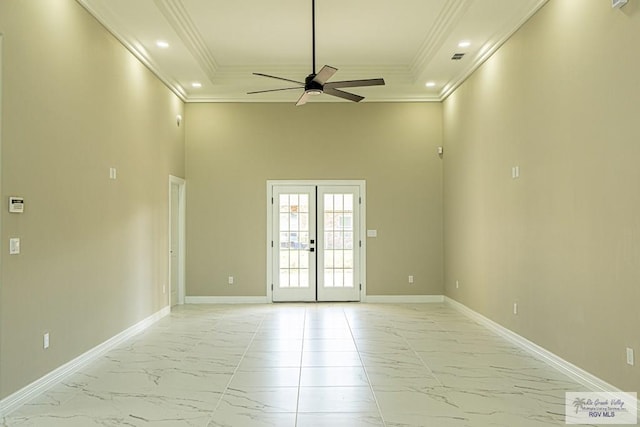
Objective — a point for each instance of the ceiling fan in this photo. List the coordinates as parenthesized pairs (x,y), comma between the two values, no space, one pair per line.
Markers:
(316,83)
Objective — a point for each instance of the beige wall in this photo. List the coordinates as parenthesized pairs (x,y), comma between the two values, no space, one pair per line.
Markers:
(561,100)
(94,251)
(233,149)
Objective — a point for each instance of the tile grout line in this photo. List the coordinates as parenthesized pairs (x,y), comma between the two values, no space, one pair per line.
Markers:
(418,355)
(246,350)
(364,368)
(304,324)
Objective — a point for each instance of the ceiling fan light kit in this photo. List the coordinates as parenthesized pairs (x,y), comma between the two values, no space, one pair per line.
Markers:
(316,83)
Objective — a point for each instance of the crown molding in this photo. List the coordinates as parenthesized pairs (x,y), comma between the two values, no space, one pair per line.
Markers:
(449,16)
(114,26)
(394,73)
(490,48)
(177,16)
(283,99)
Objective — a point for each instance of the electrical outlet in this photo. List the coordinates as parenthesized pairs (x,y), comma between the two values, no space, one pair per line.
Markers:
(630,358)
(515,308)
(457,284)
(411,280)
(45,340)
(231,280)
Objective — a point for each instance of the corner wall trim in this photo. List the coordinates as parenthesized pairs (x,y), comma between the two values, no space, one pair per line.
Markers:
(226,300)
(41,385)
(404,299)
(583,377)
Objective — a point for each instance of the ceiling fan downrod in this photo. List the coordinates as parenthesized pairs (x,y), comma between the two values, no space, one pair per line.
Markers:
(313,35)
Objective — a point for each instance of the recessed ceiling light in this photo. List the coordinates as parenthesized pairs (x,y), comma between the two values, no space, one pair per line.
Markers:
(162,44)
(196,85)
(464,43)
(430,84)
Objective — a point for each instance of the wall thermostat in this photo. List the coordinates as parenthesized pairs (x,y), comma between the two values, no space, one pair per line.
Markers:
(16,204)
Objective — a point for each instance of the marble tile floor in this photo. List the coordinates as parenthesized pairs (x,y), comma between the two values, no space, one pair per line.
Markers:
(311,365)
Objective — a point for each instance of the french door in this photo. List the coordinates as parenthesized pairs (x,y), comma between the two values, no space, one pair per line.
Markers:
(315,243)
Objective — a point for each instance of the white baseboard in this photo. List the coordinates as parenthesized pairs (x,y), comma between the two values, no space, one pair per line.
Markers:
(225,300)
(579,375)
(397,299)
(404,299)
(41,385)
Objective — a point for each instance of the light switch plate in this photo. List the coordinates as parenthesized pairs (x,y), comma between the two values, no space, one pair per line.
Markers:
(14,246)
(372,233)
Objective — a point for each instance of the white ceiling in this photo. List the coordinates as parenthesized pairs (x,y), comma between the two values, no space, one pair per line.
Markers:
(219,43)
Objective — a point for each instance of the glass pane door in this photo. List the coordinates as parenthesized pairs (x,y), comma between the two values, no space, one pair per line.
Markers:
(338,243)
(294,230)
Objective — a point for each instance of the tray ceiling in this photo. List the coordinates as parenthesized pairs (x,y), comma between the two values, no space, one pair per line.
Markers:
(215,45)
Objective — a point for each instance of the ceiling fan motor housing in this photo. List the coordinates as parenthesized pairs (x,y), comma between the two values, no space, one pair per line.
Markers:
(310,85)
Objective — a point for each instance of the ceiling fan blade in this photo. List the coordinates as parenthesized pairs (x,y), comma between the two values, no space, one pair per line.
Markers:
(278,78)
(324,74)
(342,94)
(355,83)
(303,99)
(273,90)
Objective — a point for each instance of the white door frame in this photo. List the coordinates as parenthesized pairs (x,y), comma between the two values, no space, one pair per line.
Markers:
(182,208)
(363,227)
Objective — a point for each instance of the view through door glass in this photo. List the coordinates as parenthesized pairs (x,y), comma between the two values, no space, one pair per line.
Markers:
(305,238)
